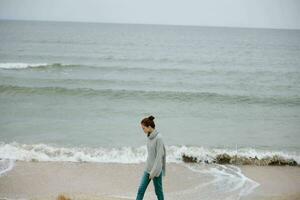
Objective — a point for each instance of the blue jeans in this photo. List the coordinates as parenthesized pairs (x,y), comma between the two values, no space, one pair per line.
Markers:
(157,182)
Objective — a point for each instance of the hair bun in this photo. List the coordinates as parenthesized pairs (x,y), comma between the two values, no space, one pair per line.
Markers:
(151,117)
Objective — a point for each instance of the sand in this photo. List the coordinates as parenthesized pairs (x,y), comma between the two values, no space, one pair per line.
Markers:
(42,180)
(276,182)
(110,181)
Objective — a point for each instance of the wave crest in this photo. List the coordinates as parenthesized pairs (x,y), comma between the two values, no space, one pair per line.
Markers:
(181,96)
(44,152)
(21,65)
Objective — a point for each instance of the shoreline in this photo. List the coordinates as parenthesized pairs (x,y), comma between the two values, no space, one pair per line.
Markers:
(114,181)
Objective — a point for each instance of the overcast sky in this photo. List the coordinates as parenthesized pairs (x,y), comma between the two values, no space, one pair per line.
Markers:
(237,13)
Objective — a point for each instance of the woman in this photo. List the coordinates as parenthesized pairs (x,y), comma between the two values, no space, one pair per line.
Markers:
(156,160)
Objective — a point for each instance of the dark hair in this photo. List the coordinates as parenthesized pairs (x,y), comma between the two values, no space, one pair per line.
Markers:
(148,121)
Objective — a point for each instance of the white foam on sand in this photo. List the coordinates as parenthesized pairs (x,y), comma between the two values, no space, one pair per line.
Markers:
(6,165)
(228,182)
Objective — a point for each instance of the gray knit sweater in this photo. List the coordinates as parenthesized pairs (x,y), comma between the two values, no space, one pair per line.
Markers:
(156,159)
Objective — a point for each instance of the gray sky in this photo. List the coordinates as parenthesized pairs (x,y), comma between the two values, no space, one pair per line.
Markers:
(238,13)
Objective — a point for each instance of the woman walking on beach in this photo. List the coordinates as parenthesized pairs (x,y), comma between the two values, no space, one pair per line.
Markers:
(156,160)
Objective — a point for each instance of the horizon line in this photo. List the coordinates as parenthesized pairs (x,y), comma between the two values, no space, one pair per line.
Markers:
(153,24)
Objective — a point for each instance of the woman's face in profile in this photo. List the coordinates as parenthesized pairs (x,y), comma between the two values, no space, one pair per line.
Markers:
(146,129)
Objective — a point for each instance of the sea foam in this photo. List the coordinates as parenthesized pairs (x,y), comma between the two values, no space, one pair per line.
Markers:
(127,154)
(6,165)
(20,65)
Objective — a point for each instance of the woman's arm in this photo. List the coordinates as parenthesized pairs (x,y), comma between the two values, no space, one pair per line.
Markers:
(157,166)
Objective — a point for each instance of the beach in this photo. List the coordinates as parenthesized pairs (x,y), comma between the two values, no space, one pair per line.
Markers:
(72,95)
(109,181)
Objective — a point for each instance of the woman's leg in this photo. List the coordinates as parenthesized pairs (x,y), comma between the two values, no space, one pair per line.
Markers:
(157,181)
(143,186)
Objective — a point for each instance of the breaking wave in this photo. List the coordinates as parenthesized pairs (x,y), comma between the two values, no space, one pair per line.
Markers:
(45,152)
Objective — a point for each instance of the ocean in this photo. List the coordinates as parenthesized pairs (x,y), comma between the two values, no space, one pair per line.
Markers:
(78,91)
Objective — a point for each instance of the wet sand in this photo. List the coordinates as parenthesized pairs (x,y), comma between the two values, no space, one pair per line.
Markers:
(109,181)
(42,180)
(276,182)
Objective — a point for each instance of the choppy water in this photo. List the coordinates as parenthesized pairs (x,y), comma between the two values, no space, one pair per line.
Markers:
(88,85)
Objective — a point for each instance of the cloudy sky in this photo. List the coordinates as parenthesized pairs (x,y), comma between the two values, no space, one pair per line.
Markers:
(236,13)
